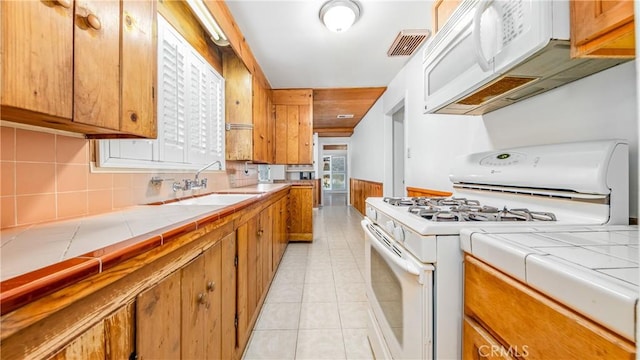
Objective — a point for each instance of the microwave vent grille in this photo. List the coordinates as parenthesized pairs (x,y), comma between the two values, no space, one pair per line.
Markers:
(496,88)
(407,42)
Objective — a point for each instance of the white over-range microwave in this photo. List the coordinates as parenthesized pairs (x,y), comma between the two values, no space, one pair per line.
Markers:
(492,53)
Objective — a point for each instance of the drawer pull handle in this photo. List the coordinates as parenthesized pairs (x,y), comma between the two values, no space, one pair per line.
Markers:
(94,22)
(201,298)
(64,3)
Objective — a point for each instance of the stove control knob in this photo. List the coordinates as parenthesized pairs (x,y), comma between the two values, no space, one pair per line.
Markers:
(390,226)
(372,213)
(398,234)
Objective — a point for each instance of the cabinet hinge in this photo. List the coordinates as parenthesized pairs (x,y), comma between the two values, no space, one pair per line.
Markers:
(235,261)
(235,321)
(133,356)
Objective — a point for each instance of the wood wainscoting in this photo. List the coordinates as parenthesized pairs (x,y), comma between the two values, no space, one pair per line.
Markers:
(414,191)
(361,190)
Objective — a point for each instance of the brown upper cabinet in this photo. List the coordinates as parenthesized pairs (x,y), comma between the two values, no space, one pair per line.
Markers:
(263,124)
(249,118)
(85,66)
(294,126)
(602,28)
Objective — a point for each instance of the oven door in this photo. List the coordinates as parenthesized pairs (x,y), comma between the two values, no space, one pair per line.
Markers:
(400,298)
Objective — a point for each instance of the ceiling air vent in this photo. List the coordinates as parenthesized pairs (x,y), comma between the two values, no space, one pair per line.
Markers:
(408,41)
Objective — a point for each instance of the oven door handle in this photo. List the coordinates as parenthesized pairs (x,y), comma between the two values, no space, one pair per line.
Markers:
(406,265)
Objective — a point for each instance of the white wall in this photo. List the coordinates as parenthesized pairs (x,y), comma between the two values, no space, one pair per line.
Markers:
(367,146)
(597,107)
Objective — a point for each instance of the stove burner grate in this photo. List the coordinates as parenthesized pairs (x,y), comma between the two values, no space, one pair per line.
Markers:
(460,209)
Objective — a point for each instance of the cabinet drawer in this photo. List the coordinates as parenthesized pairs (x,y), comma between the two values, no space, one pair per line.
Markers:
(478,344)
(523,318)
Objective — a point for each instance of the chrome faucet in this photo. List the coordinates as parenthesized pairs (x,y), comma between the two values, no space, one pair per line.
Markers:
(195,184)
(206,167)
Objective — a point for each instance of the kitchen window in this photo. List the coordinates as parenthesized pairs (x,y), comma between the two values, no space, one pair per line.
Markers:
(190,113)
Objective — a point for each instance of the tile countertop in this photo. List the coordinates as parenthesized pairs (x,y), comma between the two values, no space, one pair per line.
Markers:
(593,270)
(39,259)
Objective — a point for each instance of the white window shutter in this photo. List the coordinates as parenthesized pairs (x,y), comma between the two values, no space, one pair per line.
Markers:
(190,112)
(172,83)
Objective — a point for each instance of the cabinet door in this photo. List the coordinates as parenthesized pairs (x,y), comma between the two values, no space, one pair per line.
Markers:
(305,135)
(138,69)
(228,297)
(247,278)
(293,134)
(279,231)
(293,126)
(261,124)
(301,213)
(89,345)
(265,240)
(37,58)
(271,129)
(96,80)
(119,331)
(158,318)
(194,300)
(202,306)
(602,28)
(238,108)
(213,307)
(111,338)
(281,134)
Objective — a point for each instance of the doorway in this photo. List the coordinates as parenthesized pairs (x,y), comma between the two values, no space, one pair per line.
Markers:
(333,171)
(398,152)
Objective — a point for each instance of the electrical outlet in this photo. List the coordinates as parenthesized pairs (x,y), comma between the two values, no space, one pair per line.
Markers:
(408,153)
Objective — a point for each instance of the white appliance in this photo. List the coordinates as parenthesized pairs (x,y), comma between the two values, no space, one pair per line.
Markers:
(492,53)
(413,257)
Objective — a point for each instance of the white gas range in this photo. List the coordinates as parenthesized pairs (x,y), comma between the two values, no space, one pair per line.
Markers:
(413,256)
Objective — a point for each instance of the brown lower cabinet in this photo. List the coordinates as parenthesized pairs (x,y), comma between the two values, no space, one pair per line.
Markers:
(110,338)
(196,297)
(181,316)
(504,319)
(301,213)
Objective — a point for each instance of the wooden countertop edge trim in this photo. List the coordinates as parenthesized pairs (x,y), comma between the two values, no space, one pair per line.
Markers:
(20,291)
(430,192)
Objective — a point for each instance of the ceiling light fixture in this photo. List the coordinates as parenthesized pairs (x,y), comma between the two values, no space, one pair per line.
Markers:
(205,18)
(339,15)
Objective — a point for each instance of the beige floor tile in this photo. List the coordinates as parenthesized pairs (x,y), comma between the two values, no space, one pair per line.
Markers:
(283,292)
(271,344)
(289,276)
(319,316)
(353,315)
(319,292)
(279,316)
(356,344)
(319,275)
(354,292)
(351,275)
(320,344)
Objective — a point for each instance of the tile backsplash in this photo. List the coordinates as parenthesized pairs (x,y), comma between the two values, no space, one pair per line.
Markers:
(47,177)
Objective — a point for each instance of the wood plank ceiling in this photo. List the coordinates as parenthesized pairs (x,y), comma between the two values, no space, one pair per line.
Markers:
(329,103)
